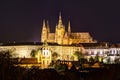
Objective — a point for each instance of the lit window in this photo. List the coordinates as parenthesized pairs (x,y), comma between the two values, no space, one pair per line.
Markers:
(113,51)
(47,62)
(110,51)
(44,53)
(43,61)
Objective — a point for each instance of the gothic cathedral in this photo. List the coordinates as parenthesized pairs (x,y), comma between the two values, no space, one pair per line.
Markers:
(63,37)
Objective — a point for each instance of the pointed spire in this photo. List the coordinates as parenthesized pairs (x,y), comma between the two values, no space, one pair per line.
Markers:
(69,28)
(66,35)
(44,23)
(60,19)
(44,28)
(60,16)
(44,32)
(48,26)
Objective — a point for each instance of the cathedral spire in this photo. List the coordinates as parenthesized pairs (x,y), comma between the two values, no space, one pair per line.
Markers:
(48,28)
(60,16)
(44,34)
(44,26)
(69,28)
(60,19)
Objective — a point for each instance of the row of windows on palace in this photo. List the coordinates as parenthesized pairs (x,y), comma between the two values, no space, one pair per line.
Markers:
(101,52)
(97,52)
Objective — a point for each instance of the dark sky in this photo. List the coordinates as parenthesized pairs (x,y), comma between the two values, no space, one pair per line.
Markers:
(21,20)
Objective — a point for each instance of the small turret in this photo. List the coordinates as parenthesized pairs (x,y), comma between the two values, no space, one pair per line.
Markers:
(60,31)
(69,28)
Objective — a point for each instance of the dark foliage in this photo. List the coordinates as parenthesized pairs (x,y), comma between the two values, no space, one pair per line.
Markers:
(10,72)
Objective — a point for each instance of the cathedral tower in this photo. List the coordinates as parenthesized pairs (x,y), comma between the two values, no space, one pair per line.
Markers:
(63,37)
(45,31)
(60,31)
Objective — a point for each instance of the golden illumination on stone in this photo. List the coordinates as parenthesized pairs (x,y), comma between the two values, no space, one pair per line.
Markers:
(61,36)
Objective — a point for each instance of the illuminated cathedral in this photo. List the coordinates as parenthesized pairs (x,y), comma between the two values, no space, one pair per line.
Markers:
(62,36)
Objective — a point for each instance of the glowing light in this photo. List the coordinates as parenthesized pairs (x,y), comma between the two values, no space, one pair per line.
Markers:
(46,53)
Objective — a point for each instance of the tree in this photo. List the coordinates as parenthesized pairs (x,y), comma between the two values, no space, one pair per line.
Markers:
(91,60)
(12,51)
(83,60)
(33,53)
(5,62)
(97,58)
(61,68)
(108,60)
(54,56)
(78,55)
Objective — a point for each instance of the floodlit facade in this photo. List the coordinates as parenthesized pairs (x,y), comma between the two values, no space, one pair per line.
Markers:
(43,51)
(62,36)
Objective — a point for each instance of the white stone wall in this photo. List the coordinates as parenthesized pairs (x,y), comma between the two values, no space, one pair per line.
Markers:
(23,51)
(94,51)
(20,51)
(65,52)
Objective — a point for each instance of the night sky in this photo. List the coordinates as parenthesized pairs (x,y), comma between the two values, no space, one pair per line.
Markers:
(21,20)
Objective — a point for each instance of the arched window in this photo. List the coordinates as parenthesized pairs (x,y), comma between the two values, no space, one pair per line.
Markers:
(92,52)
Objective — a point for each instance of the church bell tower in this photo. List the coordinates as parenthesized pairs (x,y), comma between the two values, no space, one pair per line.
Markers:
(60,31)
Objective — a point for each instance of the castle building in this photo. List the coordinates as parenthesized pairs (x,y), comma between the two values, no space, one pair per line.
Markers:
(61,45)
(63,37)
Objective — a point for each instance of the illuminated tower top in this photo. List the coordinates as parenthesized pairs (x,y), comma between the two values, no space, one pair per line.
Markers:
(69,29)
(44,34)
(60,19)
(48,27)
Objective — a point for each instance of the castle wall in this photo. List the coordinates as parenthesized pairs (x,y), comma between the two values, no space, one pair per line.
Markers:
(65,52)
(22,51)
